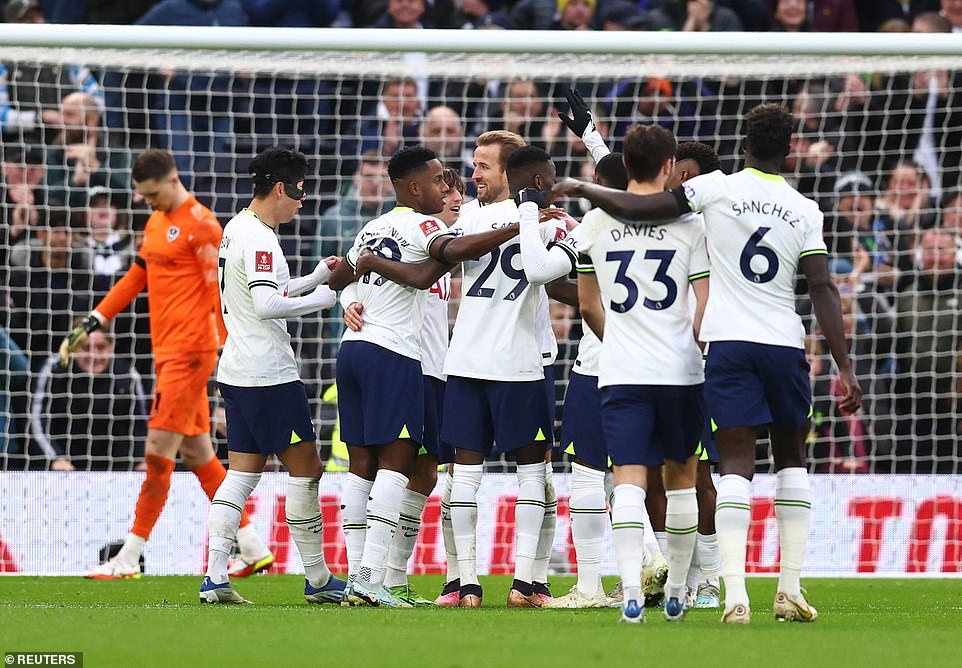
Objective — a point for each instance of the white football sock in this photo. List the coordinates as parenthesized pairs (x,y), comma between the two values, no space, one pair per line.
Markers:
(706,551)
(447,530)
(304,521)
(793,511)
(223,519)
(528,516)
(627,530)
(133,547)
(249,543)
(355,493)
(464,519)
(589,517)
(733,514)
(383,511)
(408,526)
(548,525)
(681,523)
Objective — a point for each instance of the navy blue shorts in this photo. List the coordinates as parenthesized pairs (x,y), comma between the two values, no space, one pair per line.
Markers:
(380,395)
(581,432)
(549,389)
(495,416)
(754,384)
(433,410)
(267,420)
(646,424)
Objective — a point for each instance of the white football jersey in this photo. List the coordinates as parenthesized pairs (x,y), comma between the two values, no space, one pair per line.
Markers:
(758,227)
(496,334)
(434,330)
(258,352)
(549,344)
(589,348)
(643,273)
(393,313)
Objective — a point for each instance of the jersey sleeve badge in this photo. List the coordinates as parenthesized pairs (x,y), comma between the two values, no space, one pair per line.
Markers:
(264,261)
(429,227)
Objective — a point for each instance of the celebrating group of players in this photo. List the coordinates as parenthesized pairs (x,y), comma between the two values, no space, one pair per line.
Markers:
(640,395)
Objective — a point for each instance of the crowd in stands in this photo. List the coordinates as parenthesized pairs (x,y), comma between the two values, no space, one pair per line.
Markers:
(881,154)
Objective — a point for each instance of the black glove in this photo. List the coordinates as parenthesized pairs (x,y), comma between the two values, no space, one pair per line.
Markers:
(580,111)
(530,195)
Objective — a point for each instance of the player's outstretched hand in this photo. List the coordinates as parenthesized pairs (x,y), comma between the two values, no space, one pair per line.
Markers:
(353,316)
(853,392)
(77,338)
(580,120)
(564,188)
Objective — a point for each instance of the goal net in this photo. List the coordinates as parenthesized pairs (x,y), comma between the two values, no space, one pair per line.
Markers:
(878,146)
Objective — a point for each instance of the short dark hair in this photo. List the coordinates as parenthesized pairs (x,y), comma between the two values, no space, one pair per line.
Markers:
(452,179)
(154,163)
(409,159)
(646,149)
(770,128)
(704,155)
(521,163)
(611,170)
(277,164)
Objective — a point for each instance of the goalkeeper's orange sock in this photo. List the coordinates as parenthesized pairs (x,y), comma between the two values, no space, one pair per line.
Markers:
(211,475)
(153,495)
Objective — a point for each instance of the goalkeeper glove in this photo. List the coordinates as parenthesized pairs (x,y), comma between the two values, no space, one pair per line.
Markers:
(530,195)
(78,337)
(580,120)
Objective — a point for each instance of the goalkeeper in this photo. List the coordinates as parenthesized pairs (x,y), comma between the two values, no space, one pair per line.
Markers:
(177,262)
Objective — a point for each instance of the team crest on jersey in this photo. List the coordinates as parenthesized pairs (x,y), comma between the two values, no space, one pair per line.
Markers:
(264,261)
(429,227)
(172,233)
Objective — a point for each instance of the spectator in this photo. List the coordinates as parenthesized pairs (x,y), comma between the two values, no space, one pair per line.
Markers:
(522,109)
(574,15)
(93,415)
(403,14)
(951,219)
(99,12)
(111,247)
(931,22)
(819,16)
(14,371)
(443,132)
(23,192)
(928,349)
(79,158)
(284,14)
(755,15)
(695,16)
(952,11)
(49,283)
(534,14)
(620,15)
(483,14)
(873,13)
(195,119)
(398,118)
(30,92)
(905,210)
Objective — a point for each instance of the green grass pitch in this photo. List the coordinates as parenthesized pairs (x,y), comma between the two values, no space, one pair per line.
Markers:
(158,621)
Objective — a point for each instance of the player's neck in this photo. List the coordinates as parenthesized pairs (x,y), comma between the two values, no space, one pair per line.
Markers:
(182,196)
(263,213)
(645,187)
(766,166)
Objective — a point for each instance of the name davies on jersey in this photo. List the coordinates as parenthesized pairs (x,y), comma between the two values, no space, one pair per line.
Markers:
(638,230)
(766,209)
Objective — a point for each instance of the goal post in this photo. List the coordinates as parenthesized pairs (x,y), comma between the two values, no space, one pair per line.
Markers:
(879,146)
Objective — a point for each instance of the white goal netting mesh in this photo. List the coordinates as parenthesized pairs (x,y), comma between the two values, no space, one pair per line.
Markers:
(879,146)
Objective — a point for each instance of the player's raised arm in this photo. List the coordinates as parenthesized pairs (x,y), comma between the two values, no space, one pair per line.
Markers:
(828,311)
(659,206)
(583,126)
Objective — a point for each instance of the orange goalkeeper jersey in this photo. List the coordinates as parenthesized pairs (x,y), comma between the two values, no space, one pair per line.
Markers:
(177,262)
